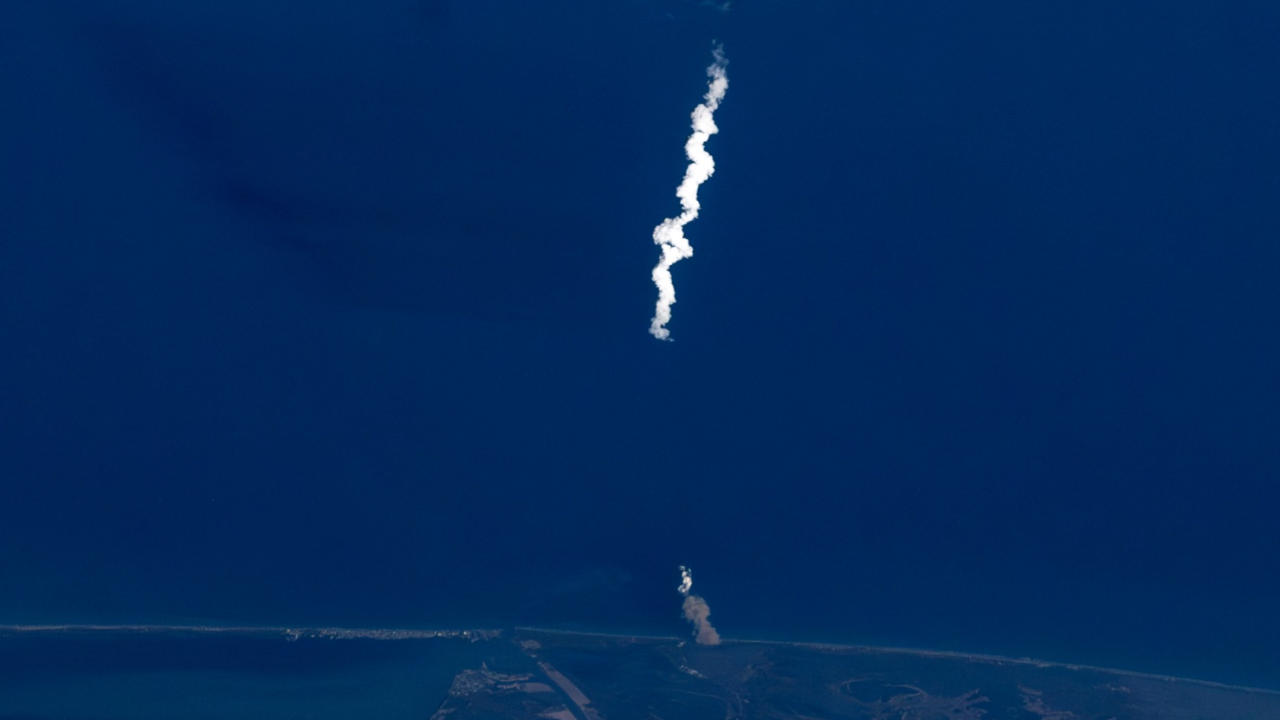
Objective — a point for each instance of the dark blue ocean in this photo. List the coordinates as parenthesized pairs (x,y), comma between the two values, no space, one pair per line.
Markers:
(335,313)
(146,675)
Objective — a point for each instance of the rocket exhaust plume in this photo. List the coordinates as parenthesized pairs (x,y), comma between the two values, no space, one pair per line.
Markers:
(669,235)
(696,611)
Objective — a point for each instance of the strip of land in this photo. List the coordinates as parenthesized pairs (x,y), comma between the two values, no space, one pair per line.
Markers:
(919,652)
(293,633)
(339,633)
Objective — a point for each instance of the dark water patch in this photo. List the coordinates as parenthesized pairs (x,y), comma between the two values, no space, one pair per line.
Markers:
(116,675)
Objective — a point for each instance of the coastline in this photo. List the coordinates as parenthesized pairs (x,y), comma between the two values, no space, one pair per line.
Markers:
(287,632)
(478,634)
(924,652)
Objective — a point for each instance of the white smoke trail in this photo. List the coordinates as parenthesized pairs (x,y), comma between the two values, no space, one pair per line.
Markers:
(696,611)
(669,235)
(686,580)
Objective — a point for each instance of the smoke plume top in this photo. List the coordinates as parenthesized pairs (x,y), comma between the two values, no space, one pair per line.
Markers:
(669,234)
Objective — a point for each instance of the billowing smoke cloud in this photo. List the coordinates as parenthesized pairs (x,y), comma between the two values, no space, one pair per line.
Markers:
(669,235)
(696,611)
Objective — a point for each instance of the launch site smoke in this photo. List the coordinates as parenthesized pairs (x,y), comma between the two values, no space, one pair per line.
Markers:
(696,611)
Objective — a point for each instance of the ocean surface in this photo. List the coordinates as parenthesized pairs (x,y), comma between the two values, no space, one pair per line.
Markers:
(336,314)
(124,674)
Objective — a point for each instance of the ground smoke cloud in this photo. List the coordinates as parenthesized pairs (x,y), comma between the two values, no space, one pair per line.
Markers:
(669,235)
(696,611)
